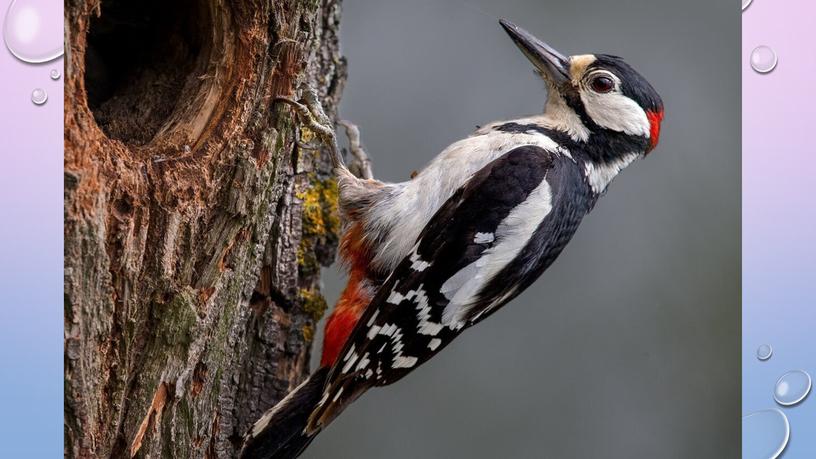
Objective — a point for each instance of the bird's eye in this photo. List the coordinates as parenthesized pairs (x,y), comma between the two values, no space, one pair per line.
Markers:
(602,84)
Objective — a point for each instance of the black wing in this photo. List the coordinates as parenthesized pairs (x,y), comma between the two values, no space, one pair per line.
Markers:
(487,243)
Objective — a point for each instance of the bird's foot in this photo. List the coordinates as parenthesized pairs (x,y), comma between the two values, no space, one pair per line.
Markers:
(310,113)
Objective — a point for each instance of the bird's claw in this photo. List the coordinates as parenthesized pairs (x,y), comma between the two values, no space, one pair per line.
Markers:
(305,116)
(310,112)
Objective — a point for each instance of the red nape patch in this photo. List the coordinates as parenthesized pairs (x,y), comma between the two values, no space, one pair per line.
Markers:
(655,118)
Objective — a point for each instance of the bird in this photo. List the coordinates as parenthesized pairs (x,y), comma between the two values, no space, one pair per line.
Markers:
(433,256)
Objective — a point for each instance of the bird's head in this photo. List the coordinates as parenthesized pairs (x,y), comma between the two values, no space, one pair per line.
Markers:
(602,92)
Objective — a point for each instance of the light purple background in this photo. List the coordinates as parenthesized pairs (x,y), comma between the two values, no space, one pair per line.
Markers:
(31,330)
(779,209)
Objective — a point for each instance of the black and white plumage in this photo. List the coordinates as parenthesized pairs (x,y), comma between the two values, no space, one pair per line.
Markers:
(477,226)
(487,243)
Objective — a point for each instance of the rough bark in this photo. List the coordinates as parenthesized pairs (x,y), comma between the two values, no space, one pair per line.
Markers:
(194,226)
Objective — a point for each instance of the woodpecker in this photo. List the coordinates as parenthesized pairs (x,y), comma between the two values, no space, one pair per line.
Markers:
(430,257)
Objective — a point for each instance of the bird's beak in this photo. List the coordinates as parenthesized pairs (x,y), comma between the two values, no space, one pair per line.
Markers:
(552,64)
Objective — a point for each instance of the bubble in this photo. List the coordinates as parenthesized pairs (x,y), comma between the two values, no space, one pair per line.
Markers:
(39,96)
(792,387)
(745,4)
(765,434)
(763,59)
(55,74)
(764,352)
(32,30)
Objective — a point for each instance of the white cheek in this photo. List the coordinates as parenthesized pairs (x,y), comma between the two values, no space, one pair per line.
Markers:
(616,112)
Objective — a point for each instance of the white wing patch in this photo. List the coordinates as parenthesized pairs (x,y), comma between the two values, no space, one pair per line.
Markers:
(363,362)
(349,363)
(483,238)
(404,362)
(395,298)
(512,235)
(373,317)
(349,353)
(417,264)
(426,326)
(455,283)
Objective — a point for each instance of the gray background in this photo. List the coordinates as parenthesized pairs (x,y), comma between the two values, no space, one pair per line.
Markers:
(628,346)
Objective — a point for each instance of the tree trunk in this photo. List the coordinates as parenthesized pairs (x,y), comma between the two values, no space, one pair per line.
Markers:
(194,225)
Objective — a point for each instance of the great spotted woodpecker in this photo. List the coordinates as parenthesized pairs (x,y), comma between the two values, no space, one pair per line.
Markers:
(431,257)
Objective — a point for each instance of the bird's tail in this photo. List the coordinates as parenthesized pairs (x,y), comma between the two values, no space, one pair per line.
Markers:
(280,432)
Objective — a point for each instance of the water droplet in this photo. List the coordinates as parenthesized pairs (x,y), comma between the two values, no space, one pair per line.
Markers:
(764,352)
(765,434)
(32,30)
(745,4)
(763,59)
(55,74)
(39,96)
(792,387)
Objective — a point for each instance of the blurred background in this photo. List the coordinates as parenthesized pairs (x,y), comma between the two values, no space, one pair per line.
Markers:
(628,346)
